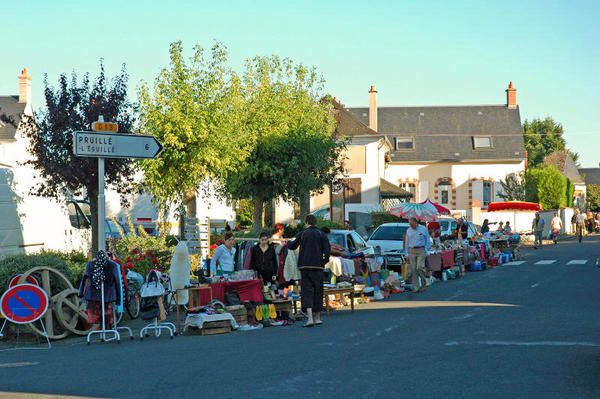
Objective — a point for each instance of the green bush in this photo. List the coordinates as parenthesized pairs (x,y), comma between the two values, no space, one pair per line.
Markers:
(570,193)
(379,218)
(134,249)
(547,186)
(18,264)
(75,260)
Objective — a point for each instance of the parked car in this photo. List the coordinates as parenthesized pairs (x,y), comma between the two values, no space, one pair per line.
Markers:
(448,226)
(389,237)
(351,241)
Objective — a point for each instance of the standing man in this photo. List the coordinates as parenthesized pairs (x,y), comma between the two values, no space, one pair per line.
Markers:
(538,230)
(416,245)
(580,224)
(314,254)
(574,222)
(462,230)
(556,226)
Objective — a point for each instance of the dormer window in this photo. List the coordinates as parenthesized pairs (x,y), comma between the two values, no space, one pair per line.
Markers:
(482,142)
(404,143)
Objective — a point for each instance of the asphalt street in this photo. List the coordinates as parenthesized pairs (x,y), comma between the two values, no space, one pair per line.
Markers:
(529,330)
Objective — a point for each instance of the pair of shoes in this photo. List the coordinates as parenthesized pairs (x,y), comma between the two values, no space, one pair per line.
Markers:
(308,325)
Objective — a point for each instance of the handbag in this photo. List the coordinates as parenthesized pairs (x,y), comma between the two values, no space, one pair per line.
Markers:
(152,287)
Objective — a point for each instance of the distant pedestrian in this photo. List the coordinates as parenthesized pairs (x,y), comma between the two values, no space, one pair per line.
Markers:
(580,224)
(314,254)
(590,222)
(574,222)
(538,230)
(556,226)
(500,228)
(416,245)
(462,230)
(507,228)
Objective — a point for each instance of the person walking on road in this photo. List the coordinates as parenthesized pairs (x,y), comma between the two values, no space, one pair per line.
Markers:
(416,245)
(538,230)
(556,226)
(580,224)
(314,254)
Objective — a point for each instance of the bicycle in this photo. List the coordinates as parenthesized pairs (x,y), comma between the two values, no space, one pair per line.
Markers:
(133,298)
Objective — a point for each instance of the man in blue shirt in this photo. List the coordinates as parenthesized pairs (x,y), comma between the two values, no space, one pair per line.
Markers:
(416,245)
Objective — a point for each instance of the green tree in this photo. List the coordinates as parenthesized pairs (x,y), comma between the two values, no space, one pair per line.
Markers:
(593,197)
(547,186)
(72,106)
(513,187)
(570,193)
(192,110)
(543,137)
(290,130)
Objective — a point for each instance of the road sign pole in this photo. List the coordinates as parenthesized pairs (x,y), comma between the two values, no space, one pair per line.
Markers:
(101,206)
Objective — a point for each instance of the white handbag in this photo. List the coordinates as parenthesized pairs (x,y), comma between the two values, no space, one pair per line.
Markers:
(152,287)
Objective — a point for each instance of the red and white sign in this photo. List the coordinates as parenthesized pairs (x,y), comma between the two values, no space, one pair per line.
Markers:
(29,280)
(24,303)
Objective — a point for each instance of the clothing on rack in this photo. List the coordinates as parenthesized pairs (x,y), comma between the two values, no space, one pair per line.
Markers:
(111,276)
(94,313)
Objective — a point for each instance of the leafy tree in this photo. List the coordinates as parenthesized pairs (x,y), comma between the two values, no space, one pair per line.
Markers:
(513,187)
(290,130)
(547,186)
(72,106)
(570,193)
(593,197)
(192,110)
(542,138)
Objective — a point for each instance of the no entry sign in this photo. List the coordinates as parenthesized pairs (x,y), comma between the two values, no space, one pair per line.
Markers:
(15,280)
(24,303)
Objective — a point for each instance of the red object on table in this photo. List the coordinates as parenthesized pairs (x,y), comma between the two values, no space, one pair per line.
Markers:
(248,290)
(447,259)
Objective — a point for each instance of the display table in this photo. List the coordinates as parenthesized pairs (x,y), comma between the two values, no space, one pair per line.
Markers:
(338,291)
(434,262)
(248,290)
(448,259)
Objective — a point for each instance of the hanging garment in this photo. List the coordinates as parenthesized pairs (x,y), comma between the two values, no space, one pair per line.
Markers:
(247,259)
(94,313)
(335,265)
(112,275)
(280,272)
(348,267)
(290,270)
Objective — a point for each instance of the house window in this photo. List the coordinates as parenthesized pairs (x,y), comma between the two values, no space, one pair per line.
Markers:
(353,191)
(411,188)
(487,193)
(404,143)
(482,142)
(444,190)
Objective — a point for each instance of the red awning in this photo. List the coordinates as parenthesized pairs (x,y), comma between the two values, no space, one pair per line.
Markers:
(514,206)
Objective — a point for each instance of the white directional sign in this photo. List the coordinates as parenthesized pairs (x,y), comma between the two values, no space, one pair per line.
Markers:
(115,145)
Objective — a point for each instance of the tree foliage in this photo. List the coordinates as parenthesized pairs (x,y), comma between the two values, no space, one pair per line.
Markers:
(547,186)
(542,138)
(192,109)
(593,197)
(293,149)
(73,105)
(513,187)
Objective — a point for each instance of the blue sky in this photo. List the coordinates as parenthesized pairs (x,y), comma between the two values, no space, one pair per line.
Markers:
(415,52)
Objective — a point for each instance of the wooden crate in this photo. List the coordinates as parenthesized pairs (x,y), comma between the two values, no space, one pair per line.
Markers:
(239,313)
(216,327)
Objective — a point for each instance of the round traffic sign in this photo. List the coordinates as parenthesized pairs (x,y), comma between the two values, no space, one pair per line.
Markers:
(15,280)
(24,303)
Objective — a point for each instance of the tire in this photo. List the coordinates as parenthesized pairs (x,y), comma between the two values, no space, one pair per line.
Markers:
(133,304)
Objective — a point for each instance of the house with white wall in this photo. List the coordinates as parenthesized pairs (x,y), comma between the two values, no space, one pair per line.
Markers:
(450,154)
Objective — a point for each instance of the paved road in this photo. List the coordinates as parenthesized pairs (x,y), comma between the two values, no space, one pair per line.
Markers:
(519,331)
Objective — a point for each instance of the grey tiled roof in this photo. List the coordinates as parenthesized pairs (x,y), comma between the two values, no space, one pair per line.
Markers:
(591,175)
(563,161)
(442,132)
(10,106)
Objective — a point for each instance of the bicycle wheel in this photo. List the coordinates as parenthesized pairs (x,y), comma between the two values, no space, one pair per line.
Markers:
(133,303)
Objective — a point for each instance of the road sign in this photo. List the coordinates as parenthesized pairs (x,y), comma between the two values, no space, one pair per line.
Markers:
(15,280)
(105,127)
(115,145)
(24,303)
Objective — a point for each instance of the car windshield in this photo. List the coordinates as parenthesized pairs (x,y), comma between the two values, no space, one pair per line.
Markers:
(390,233)
(337,239)
(444,224)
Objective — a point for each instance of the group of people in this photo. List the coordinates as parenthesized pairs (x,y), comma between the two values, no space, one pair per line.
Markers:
(584,223)
(503,228)
(314,250)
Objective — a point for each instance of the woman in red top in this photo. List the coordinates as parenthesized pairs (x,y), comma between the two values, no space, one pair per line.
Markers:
(435,231)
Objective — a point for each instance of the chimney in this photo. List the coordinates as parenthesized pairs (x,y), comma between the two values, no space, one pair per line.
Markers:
(24,87)
(511,96)
(373,108)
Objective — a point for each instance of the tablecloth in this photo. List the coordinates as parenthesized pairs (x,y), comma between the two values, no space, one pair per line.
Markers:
(448,259)
(248,290)
(434,262)
(198,319)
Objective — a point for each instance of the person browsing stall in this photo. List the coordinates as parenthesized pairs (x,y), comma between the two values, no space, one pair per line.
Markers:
(462,230)
(507,228)
(485,228)
(314,254)
(264,259)
(416,245)
(222,263)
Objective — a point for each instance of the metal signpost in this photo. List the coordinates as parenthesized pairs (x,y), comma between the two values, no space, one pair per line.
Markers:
(102,143)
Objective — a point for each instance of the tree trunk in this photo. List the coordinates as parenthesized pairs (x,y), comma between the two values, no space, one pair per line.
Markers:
(304,206)
(257,217)
(92,193)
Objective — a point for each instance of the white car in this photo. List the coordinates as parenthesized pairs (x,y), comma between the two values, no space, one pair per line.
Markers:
(389,237)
